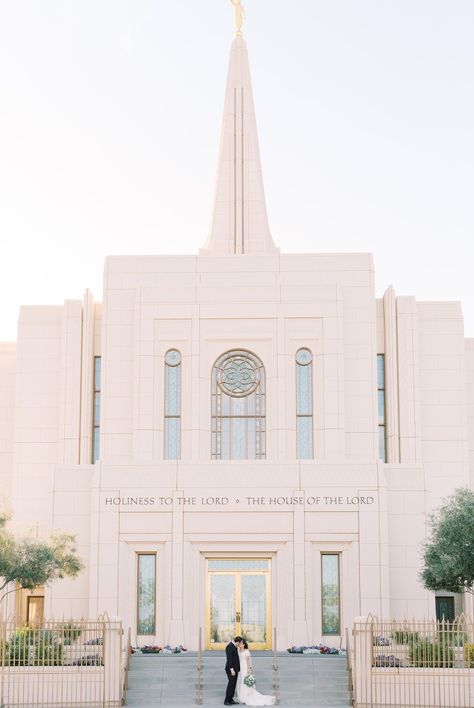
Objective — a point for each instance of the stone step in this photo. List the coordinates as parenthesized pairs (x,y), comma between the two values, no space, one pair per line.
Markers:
(170,680)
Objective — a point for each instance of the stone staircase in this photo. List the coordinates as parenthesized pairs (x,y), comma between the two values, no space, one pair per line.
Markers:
(167,680)
(314,680)
(170,680)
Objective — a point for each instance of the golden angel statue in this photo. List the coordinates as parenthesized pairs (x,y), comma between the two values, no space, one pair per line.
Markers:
(239,16)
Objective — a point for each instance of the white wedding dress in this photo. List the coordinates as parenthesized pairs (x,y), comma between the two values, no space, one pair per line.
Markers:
(246,695)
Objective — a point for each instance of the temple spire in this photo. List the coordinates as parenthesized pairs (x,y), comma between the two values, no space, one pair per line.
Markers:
(239,222)
(239,17)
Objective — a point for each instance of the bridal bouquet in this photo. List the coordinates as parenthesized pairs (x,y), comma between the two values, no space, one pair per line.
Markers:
(249,680)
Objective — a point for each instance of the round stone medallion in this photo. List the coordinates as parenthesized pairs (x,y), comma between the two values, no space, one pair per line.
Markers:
(304,357)
(173,357)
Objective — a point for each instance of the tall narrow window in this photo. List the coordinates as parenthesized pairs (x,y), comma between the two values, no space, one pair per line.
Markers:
(304,404)
(172,448)
(238,407)
(146,592)
(96,410)
(381,406)
(330,593)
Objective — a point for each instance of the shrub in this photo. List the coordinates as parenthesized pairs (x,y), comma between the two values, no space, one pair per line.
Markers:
(405,636)
(469,655)
(17,649)
(89,660)
(151,649)
(385,661)
(48,653)
(381,642)
(173,650)
(314,649)
(426,654)
(459,639)
(27,647)
(96,641)
(69,632)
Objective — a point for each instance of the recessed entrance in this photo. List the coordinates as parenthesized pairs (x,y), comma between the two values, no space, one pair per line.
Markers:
(238,602)
(34,609)
(444,608)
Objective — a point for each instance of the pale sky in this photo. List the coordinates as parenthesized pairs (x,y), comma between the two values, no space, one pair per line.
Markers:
(110,115)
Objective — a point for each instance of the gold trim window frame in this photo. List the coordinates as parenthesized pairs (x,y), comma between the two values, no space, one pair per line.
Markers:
(152,595)
(237,573)
(325,596)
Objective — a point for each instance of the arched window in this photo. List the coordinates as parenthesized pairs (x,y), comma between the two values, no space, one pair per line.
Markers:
(304,404)
(238,407)
(172,446)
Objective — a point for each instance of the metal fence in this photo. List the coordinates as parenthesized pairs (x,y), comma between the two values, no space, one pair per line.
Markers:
(61,663)
(276,669)
(413,664)
(350,678)
(198,696)
(126,665)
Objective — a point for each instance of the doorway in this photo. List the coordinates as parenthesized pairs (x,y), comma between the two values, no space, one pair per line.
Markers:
(34,609)
(444,608)
(238,602)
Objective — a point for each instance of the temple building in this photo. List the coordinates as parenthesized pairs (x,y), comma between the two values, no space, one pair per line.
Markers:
(242,441)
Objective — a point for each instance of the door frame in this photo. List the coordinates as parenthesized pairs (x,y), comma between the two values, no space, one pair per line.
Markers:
(29,598)
(451,602)
(268,596)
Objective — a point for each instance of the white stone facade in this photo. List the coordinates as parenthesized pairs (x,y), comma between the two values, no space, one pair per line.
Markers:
(240,293)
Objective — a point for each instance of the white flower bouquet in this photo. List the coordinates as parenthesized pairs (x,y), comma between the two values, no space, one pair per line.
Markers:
(249,680)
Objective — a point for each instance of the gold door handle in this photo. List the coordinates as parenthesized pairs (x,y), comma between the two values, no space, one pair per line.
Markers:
(237,616)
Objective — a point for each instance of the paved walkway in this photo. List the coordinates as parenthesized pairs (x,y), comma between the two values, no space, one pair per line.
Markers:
(169,681)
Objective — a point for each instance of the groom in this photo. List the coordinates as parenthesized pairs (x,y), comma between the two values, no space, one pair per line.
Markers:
(232,667)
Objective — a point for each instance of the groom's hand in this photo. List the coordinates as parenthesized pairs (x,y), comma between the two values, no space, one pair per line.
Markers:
(232,672)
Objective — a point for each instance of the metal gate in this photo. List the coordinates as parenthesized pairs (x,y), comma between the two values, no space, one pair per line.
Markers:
(61,663)
(413,663)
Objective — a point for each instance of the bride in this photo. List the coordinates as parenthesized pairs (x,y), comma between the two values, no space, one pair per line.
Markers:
(248,695)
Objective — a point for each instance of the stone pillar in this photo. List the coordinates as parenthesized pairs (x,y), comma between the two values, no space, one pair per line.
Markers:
(409,383)
(112,657)
(70,383)
(177,569)
(87,380)
(300,626)
(362,661)
(391,376)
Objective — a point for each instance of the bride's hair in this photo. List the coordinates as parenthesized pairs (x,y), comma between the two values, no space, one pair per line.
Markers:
(246,646)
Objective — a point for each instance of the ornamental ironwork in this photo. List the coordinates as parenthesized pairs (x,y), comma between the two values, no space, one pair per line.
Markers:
(238,374)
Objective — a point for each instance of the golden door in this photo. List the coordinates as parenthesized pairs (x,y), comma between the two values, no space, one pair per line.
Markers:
(238,602)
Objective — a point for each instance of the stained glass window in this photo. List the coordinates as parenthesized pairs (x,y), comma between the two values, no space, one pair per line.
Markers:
(172,443)
(96,409)
(238,407)
(381,407)
(304,404)
(330,593)
(146,593)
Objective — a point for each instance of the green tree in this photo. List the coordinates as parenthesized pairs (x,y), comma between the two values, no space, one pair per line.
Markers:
(30,562)
(448,554)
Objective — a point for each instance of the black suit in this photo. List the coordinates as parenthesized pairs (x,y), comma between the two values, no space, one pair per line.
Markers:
(232,662)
